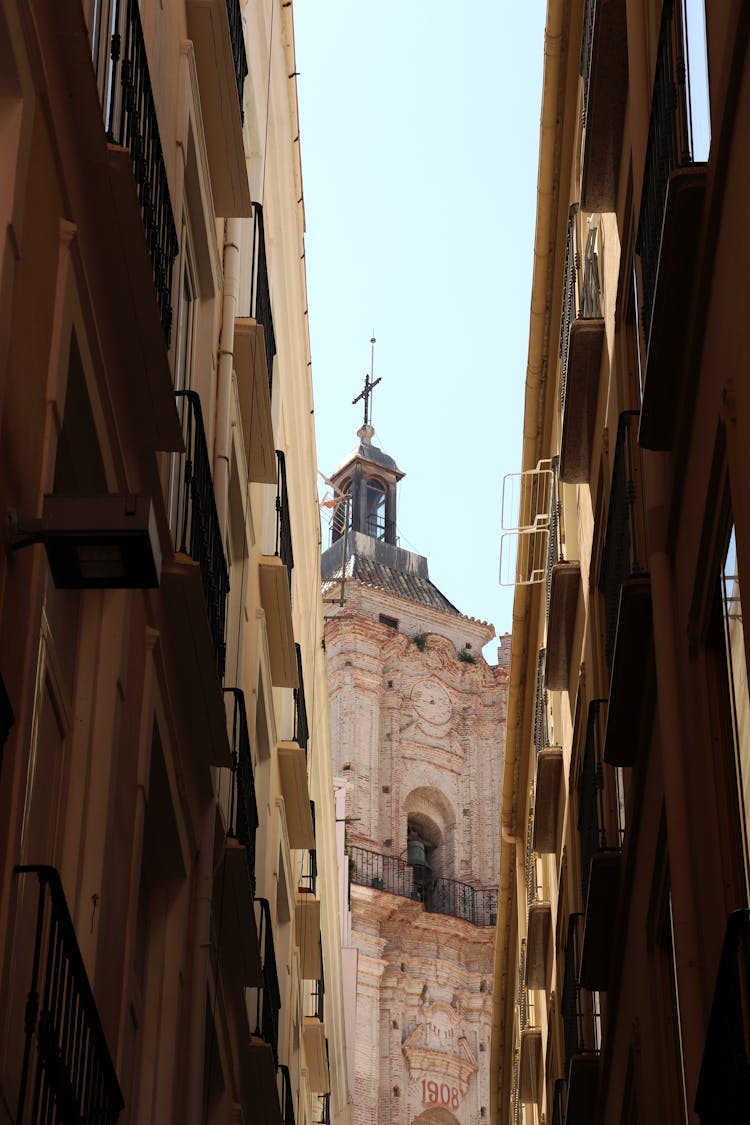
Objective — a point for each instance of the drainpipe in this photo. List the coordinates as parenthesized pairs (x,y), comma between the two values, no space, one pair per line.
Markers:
(200,969)
(680,840)
(223,433)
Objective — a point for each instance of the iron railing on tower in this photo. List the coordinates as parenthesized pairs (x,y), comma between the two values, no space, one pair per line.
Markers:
(132,123)
(243,814)
(260,290)
(67,1074)
(196,521)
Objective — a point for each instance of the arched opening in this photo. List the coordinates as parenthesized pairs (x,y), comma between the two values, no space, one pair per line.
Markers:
(375,509)
(431,820)
(436,1116)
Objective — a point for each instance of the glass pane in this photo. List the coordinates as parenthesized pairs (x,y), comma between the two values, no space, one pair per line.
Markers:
(737,667)
(694,15)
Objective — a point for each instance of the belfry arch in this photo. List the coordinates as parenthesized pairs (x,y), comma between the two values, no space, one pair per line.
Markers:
(430,815)
(437,1116)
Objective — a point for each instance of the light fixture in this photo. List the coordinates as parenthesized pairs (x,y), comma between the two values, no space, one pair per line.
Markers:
(105,542)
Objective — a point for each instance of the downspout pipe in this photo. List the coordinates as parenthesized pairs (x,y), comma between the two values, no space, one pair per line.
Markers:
(223,430)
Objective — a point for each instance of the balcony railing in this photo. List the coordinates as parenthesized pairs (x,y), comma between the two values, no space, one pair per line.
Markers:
(558,1102)
(132,123)
(197,529)
(624,554)
(67,1073)
(581,1021)
(238,51)
(541,735)
(287,1097)
(316,1002)
(322,1110)
(601,830)
(269,996)
(668,148)
(260,292)
(283,520)
(582,292)
(440,896)
(301,729)
(244,810)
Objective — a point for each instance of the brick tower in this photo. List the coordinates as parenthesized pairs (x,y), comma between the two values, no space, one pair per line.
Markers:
(418,721)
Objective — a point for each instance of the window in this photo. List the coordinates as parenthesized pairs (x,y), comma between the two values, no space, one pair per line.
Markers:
(734,641)
(699,110)
(375,510)
(391,622)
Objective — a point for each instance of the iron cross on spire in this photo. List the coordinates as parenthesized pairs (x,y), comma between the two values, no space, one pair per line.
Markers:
(370,384)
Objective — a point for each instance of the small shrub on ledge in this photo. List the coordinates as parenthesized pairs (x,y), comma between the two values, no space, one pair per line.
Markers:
(420,640)
(466,657)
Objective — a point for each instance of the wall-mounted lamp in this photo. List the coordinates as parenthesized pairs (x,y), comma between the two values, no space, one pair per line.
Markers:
(95,542)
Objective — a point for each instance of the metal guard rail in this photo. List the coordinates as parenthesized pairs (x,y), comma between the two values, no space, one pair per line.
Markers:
(244,807)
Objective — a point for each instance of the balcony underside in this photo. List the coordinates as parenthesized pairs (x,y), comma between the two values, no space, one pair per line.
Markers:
(605,107)
(723,1094)
(547,799)
(240,949)
(188,644)
(314,1035)
(583,1079)
(530,1079)
(563,601)
(277,606)
(296,791)
(307,927)
(599,925)
(255,400)
(581,396)
(537,944)
(678,251)
(630,662)
(259,1089)
(208,25)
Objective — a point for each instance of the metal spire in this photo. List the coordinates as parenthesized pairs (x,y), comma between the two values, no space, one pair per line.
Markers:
(370,384)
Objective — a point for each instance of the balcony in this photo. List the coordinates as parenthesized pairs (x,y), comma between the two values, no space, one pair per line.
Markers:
(601,829)
(581,1032)
(260,292)
(322,1110)
(287,1097)
(275,572)
(604,72)
(558,1102)
(581,342)
(669,226)
(547,799)
(195,584)
(626,587)
(215,26)
(307,914)
(530,1054)
(723,1093)
(67,1072)
(292,757)
(539,920)
(477,905)
(563,584)
(259,1059)
(314,1035)
(255,400)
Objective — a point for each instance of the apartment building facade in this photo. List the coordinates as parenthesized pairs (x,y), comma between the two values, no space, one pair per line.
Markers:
(622,957)
(169,924)
(417,720)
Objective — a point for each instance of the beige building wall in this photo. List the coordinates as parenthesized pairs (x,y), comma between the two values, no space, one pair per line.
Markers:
(154,341)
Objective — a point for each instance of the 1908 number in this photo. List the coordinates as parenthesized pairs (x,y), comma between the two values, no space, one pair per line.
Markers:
(439,1094)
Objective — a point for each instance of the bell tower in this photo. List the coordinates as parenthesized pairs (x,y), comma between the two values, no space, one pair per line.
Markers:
(365,485)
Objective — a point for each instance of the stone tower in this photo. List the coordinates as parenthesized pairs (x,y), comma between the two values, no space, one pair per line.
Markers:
(417,721)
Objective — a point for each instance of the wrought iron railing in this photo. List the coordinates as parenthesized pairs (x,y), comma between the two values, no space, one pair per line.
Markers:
(301,729)
(516,1107)
(440,896)
(381,528)
(283,519)
(558,1102)
(132,123)
(532,887)
(581,1020)
(587,47)
(244,809)
(668,148)
(269,996)
(541,736)
(197,528)
(581,292)
(67,1074)
(316,1002)
(322,1110)
(598,831)
(260,292)
(238,51)
(523,989)
(554,544)
(624,554)
(308,880)
(287,1096)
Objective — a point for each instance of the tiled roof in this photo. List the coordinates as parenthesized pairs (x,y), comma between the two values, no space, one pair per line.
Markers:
(392,581)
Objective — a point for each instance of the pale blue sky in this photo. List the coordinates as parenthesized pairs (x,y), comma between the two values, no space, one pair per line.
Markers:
(420,134)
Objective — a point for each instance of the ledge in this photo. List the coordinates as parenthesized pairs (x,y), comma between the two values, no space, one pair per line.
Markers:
(259,1091)
(294,786)
(537,944)
(316,1057)
(581,396)
(277,606)
(583,1080)
(631,657)
(530,1081)
(255,400)
(549,762)
(662,389)
(604,103)
(565,583)
(240,949)
(307,932)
